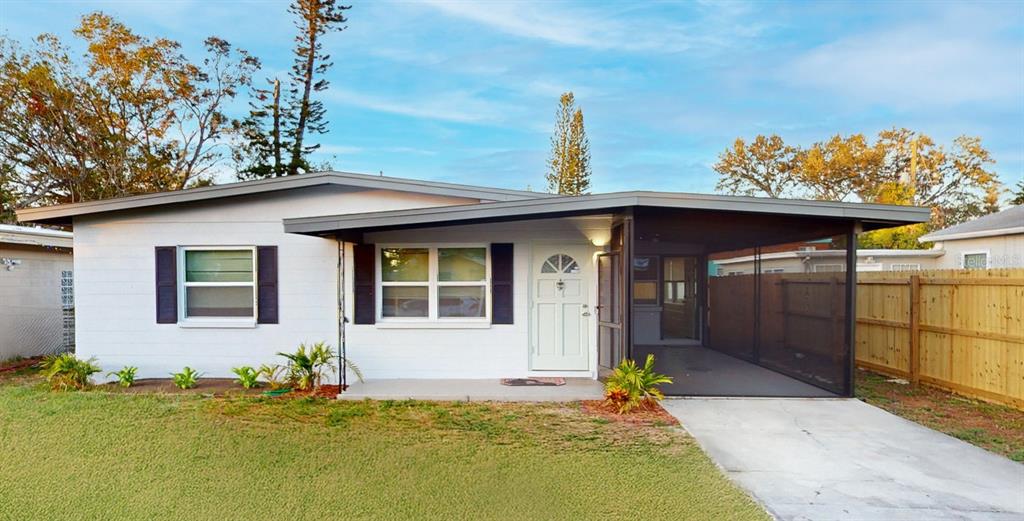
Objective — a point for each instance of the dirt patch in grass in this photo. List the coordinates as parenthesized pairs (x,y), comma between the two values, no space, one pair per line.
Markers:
(653,414)
(997,428)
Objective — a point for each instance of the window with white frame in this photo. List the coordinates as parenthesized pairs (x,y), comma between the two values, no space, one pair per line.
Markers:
(218,283)
(774,270)
(906,266)
(829,268)
(434,283)
(974,261)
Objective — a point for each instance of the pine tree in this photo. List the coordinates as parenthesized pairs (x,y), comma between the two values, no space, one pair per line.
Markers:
(315,19)
(273,137)
(260,153)
(569,163)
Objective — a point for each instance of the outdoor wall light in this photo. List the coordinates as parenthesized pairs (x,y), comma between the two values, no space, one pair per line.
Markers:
(9,263)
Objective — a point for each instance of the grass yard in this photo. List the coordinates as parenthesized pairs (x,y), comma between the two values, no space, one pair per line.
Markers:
(997,428)
(99,455)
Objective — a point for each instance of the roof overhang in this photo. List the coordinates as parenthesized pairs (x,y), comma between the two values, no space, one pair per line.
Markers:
(62,214)
(872,216)
(31,236)
(939,236)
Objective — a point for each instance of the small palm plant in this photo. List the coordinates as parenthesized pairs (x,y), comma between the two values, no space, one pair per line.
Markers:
(65,371)
(247,376)
(307,365)
(126,376)
(631,386)
(186,379)
(274,375)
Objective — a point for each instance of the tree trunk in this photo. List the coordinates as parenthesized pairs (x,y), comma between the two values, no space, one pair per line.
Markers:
(307,87)
(278,169)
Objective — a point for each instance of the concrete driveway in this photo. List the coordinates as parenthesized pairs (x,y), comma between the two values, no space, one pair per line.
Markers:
(837,459)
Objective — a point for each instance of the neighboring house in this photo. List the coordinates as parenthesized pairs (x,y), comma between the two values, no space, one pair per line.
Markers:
(991,241)
(36,291)
(438,280)
(821,260)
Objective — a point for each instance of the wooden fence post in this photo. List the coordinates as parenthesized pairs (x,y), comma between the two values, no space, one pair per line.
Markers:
(915,329)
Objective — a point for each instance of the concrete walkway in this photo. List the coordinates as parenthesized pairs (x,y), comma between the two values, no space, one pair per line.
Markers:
(841,459)
(484,390)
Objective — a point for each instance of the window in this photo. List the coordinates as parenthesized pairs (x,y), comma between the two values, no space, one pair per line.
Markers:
(434,283)
(218,283)
(829,268)
(905,267)
(680,279)
(974,261)
(645,280)
(774,270)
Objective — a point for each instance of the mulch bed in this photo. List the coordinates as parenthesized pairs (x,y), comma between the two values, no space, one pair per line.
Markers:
(212,386)
(650,414)
(20,364)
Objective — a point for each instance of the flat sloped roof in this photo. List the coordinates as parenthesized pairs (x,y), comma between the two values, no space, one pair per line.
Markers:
(1006,222)
(62,214)
(880,215)
(32,236)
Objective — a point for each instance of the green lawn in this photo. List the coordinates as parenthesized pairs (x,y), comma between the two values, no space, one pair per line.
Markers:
(99,455)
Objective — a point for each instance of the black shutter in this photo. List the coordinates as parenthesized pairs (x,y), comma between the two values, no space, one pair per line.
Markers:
(501,283)
(364,258)
(166,284)
(266,284)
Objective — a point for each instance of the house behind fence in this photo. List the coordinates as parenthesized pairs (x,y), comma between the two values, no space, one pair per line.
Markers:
(36,291)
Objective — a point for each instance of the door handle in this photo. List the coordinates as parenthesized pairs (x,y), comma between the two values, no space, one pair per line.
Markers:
(586,313)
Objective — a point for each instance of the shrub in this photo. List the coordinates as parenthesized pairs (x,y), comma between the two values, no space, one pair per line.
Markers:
(631,386)
(246,376)
(126,376)
(274,375)
(65,371)
(186,379)
(307,364)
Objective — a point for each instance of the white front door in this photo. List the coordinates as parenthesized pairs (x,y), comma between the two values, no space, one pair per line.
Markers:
(560,310)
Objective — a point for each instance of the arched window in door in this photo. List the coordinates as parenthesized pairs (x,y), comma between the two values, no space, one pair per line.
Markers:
(560,263)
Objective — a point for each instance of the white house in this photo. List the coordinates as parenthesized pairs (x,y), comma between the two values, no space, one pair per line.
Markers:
(992,241)
(36,300)
(422,279)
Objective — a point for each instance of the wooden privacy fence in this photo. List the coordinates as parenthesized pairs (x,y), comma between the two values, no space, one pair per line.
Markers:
(961,330)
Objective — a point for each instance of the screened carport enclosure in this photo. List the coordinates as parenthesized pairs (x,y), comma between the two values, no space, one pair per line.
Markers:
(729,306)
(734,296)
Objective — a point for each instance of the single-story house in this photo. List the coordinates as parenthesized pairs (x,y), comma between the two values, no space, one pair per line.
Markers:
(37,314)
(995,240)
(431,280)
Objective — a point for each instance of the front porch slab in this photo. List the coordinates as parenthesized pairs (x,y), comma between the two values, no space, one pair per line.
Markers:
(472,390)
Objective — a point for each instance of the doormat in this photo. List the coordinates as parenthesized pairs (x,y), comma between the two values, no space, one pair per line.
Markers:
(529,382)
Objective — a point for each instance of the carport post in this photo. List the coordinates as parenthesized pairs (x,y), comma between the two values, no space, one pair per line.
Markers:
(851,306)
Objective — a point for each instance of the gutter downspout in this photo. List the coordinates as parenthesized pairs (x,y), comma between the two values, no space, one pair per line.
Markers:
(342,319)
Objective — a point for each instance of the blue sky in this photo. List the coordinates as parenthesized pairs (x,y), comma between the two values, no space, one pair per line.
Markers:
(466,92)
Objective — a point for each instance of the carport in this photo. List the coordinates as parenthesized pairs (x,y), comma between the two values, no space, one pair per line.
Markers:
(659,291)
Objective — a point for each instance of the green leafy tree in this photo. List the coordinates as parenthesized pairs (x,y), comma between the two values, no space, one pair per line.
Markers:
(134,115)
(569,163)
(1018,194)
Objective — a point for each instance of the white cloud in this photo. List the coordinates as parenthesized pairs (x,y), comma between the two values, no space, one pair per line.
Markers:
(912,67)
(452,106)
(603,29)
